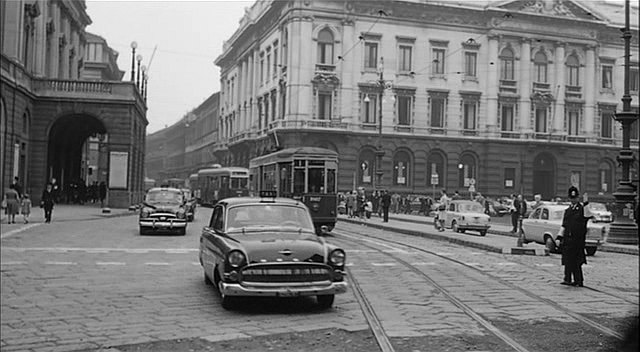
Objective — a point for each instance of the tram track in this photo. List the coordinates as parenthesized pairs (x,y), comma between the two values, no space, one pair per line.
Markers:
(371,241)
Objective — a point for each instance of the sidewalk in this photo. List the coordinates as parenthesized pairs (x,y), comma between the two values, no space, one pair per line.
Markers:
(61,212)
(499,238)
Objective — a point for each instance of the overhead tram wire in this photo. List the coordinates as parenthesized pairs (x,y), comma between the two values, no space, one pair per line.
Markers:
(360,37)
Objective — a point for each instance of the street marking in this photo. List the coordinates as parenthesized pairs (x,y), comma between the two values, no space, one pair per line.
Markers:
(177,251)
(97,251)
(423,263)
(110,263)
(134,250)
(60,263)
(57,250)
(156,263)
(13,263)
(546,264)
(383,264)
(17,231)
(101,250)
(507,264)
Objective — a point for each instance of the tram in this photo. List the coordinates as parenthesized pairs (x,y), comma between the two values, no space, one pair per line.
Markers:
(305,173)
(173,182)
(193,185)
(222,182)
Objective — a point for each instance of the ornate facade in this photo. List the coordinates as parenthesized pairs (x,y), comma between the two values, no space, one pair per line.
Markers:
(64,106)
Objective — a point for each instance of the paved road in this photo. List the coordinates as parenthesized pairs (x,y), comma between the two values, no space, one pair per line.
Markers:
(87,281)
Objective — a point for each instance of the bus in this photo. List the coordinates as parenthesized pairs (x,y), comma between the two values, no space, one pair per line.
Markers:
(308,174)
(218,183)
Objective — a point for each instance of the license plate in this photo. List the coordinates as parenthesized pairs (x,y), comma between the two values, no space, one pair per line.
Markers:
(162,218)
(288,293)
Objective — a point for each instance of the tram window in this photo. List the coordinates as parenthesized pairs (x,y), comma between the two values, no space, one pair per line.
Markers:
(299,163)
(331,181)
(285,178)
(238,183)
(224,182)
(299,178)
(268,178)
(315,163)
(316,180)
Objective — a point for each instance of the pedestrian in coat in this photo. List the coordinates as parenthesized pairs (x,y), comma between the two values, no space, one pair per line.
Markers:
(351,203)
(26,208)
(513,211)
(12,202)
(385,201)
(102,188)
(442,209)
(572,238)
(46,202)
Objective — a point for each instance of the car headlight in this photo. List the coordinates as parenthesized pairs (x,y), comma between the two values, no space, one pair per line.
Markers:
(236,258)
(145,213)
(337,257)
(180,214)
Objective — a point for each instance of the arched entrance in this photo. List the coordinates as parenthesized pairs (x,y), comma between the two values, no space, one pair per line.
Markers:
(77,155)
(544,175)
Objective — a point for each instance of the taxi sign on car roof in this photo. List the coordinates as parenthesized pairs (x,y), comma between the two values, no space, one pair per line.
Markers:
(268,194)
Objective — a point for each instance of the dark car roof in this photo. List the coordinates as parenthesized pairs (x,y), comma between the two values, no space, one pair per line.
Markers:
(259,200)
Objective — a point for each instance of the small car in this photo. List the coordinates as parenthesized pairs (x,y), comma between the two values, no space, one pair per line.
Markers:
(600,212)
(462,215)
(163,211)
(545,222)
(268,247)
(190,204)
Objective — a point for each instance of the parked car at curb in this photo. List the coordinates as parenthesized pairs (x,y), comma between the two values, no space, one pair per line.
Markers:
(163,211)
(544,224)
(600,212)
(463,215)
(265,246)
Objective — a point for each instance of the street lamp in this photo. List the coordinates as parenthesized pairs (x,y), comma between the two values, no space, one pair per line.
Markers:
(138,58)
(144,73)
(382,85)
(134,45)
(624,230)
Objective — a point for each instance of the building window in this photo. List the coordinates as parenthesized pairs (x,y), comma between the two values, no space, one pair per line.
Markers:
(405,58)
(573,122)
(634,80)
(324,106)
(275,62)
(370,55)
(573,71)
(606,124)
(541,119)
(509,177)
(274,106)
(435,178)
(325,47)
(506,64)
(438,61)
(507,114)
(401,170)
(540,67)
(404,110)
(268,74)
(369,109)
(605,177)
(261,68)
(466,171)
(470,61)
(437,112)
(469,112)
(607,76)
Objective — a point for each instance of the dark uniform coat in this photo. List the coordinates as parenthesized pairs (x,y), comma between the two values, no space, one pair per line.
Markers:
(573,241)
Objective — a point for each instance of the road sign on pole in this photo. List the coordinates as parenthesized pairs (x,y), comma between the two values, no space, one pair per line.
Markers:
(434,179)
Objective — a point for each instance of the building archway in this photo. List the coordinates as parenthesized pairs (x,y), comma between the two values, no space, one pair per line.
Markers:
(544,175)
(77,154)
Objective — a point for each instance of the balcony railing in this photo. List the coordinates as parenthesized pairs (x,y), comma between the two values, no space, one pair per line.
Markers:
(325,68)
(59,85)
(541,87)
(573,92)
(508,86)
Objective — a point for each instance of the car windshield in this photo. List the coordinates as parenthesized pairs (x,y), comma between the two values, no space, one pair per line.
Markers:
(268,215)
(471,208)
(163,196)
(597,207)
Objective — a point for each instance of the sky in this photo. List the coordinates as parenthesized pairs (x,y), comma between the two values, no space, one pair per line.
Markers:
(188,37)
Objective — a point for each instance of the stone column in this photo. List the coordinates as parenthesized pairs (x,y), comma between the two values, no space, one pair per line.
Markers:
(558,108)
(493,81)
(590,93)
(525,87)
(40,45)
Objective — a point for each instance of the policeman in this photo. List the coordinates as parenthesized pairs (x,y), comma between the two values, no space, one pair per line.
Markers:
(572,236)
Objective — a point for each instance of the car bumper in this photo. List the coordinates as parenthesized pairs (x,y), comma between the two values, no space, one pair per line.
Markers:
(592,243)
(163,224)
(283,290)
(478,227)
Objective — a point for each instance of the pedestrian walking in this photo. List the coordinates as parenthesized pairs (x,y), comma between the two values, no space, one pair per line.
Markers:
(11,200)
(26,208)
(17,186)
(351,203)
(385,201)
(513,211)
(442,209)
(572,238)
(102,188)
(47,201)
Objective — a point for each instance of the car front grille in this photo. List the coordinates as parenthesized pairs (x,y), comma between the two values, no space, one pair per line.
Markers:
(285,273)
(162,216)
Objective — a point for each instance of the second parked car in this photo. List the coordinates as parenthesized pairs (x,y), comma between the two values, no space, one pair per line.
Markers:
(465,215)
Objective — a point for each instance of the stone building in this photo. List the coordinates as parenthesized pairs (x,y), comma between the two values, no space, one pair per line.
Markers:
(61,92)
(504,96)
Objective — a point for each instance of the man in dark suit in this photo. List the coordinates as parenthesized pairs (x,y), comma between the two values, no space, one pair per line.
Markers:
(572,236)
(386,202)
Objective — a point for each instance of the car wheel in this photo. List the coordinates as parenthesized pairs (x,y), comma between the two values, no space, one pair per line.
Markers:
(325,301)
(550,244)
(483,233)
(454,226)
(591,250)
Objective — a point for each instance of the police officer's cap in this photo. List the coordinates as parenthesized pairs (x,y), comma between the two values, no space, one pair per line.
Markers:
(573,192)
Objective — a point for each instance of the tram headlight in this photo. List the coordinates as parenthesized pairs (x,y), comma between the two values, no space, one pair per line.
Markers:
(315,206)
(337,257)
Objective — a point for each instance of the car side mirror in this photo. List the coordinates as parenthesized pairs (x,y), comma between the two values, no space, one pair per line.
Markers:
(324,230)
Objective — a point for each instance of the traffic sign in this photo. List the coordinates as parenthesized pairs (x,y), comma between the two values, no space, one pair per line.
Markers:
(434,179)
(472,188)
(472,181)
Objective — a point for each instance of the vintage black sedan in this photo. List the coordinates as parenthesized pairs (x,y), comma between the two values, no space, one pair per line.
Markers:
(163,210)
(268,247)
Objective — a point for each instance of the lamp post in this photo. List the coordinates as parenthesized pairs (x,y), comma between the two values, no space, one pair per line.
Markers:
(624,230)
(142,83)
(382,85)
(138,58)
(134,45)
